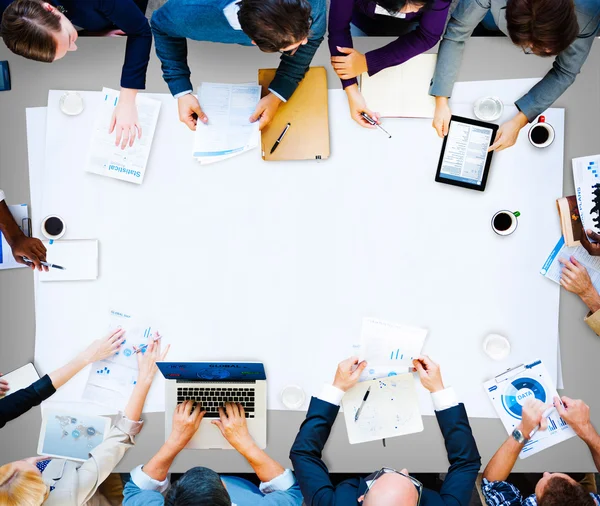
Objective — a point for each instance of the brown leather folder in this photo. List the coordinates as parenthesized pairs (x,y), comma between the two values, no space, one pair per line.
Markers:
(306,111)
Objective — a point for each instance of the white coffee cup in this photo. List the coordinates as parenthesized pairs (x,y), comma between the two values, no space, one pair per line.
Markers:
(496,346)
(545,129)
(71,103)
(505,222)
(53,227)
(293,397)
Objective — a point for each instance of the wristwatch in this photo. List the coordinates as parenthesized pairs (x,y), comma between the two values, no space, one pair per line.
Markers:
(519,437)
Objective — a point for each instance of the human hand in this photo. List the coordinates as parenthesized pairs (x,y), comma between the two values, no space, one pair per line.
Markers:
(265,110)
(593,248)
(233,426)
(104,347)
(3,386)
(441,116)
(186,421)
(576,413)
(357,105)
(125,122)
(574,277)
(348,372)
(147,360)
(531,416)
(349,66)
(190,111)
(115,33)
(508,133)
(31,248)
(429,373)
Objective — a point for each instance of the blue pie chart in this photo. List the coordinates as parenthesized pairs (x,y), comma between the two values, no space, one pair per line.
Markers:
(518,392)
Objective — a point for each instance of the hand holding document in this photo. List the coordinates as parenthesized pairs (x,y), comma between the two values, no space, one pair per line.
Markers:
(228,131)
(388,348)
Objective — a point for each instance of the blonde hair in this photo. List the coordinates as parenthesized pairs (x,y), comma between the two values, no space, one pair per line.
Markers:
(21,488)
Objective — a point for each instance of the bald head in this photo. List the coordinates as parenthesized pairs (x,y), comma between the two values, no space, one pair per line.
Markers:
(392,489)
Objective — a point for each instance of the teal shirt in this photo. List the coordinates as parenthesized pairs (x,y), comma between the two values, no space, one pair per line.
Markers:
(203,20)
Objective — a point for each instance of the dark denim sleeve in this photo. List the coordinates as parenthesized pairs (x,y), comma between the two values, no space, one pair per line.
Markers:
(292,69)
(14,405)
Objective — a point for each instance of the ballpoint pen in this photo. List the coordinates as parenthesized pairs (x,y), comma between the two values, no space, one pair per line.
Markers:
(362,404)
(371,121)
(45,264)
(144,346)
(545,414)
(280,138)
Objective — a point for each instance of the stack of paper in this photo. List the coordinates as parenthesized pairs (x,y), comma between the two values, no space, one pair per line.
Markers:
(79,259)
(228,131)
(391,409)
(127,164)
(389,348)
(402,91)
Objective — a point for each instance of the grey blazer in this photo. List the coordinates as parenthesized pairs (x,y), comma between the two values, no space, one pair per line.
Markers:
(566,66)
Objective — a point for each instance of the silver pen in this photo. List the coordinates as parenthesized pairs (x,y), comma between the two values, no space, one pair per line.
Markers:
(371,121)
(358,411)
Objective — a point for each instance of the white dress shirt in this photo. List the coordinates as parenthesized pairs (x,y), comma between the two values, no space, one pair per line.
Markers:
(444,399)
(1,196)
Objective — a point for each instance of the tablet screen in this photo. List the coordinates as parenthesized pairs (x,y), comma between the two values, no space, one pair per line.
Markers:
(466,153)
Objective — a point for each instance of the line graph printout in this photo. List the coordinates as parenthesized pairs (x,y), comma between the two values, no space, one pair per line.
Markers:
(392,409)
(111,381)
(389,348)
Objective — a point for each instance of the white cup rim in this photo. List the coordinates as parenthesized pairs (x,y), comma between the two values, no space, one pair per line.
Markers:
(55,237)
(550,130)
(297,404)
(499,338)
(511,229)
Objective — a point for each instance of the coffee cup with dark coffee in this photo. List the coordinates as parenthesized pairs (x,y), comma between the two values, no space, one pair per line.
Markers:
(541,134)
(53,227)
(505,222)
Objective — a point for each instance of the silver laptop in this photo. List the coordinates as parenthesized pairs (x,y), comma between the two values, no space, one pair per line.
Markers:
(211,384)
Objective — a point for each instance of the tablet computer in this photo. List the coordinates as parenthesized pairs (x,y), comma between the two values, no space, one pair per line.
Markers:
(464,160)
(71,436)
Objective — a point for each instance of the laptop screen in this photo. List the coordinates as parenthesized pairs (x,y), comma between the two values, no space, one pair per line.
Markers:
(213,371)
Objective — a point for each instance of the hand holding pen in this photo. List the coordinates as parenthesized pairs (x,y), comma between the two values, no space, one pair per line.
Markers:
(45,264)
(374,122)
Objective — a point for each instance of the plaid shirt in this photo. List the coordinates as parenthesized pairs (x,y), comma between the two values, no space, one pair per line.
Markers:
(501,493)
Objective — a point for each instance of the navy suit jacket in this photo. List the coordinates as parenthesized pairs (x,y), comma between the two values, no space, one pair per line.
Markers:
(313,476)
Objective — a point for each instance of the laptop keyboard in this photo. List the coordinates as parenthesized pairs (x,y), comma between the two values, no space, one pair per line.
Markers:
(210,399)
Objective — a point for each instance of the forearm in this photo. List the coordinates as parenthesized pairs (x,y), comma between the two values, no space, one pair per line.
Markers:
(591,299)
(592,439)
(8,225)
(135,406)
(264,466)
(158,466)
(128,95)
(66,372)
(503,461)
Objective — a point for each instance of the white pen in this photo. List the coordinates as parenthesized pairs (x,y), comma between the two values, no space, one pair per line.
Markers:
(45,264)
(545,414)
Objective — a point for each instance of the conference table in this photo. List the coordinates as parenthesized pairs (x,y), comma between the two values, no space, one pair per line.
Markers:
(97,63)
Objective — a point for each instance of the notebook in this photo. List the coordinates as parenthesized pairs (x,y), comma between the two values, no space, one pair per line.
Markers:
(20,378)
(306,111)
(78,257)
(392,409)
(402,91)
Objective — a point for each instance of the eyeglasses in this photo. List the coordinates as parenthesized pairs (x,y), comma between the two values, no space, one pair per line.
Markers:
(292,52)
(527,50)
(384,470)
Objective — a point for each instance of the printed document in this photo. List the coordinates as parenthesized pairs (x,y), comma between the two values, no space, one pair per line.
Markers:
(586,176)
(466,152)
(21,216)
(111,381)
(228,131)
(552,268)
(389,348)
(511,390)
(127,164)
(391,409)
